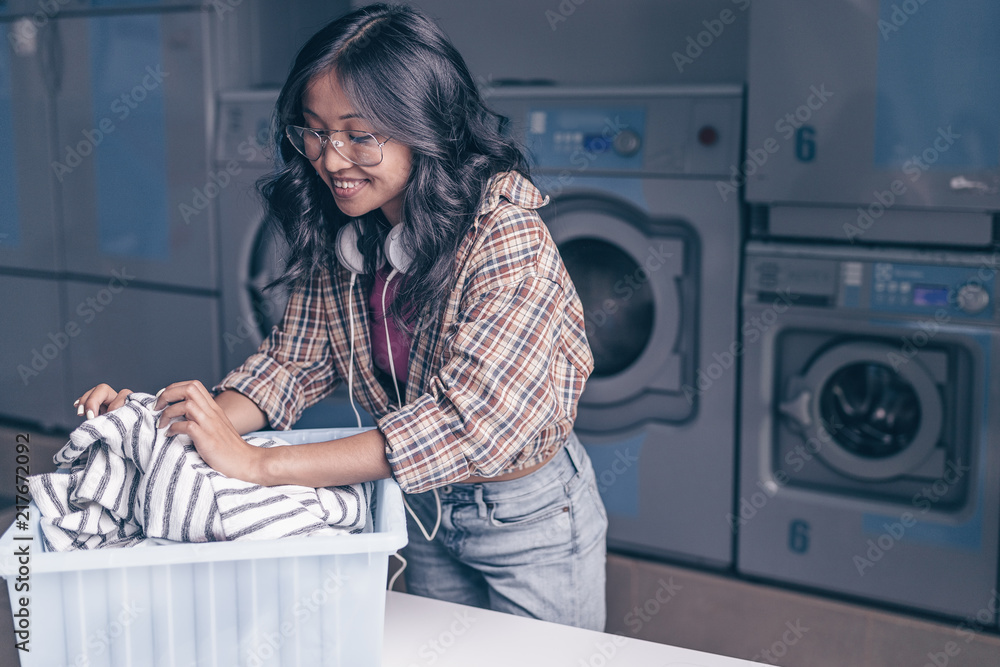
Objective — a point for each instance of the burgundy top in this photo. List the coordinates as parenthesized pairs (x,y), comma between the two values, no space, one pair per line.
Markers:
(399,338)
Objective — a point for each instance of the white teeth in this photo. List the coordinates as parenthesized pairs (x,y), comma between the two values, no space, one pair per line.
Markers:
(347,184)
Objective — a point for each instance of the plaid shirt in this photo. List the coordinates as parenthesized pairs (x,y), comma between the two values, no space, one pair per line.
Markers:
(493,384)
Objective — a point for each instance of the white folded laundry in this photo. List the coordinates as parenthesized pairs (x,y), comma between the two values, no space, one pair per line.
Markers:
(126,482)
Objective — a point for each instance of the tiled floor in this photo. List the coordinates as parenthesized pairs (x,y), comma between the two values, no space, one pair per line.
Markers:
(684,607)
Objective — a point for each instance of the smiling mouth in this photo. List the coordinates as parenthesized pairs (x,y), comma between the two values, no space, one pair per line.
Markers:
(347,188)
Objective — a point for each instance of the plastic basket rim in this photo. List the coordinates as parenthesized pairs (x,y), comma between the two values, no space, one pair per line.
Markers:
(386,541)
(389,536)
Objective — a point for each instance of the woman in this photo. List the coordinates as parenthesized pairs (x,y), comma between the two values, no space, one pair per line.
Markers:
(474,368)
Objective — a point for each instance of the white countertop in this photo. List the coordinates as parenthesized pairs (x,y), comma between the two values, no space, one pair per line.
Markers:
(420,631)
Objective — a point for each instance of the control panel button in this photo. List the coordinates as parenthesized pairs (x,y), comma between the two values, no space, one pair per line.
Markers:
(627,143)
(973,299)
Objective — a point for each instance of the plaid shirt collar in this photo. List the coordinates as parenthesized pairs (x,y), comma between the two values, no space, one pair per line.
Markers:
(510,186)
(513,187)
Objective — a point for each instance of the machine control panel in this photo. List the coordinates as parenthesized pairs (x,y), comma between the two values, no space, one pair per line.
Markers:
(587,137)
(647,130)
(962,291)
(915,288)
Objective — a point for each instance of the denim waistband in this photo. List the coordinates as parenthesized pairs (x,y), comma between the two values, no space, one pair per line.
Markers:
(568,461)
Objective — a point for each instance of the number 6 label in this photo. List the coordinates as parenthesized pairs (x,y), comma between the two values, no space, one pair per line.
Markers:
(798,536)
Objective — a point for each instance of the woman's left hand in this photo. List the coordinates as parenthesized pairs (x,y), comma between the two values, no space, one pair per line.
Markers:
(213,435)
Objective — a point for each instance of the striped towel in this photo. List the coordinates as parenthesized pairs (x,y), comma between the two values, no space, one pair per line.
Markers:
(127,483)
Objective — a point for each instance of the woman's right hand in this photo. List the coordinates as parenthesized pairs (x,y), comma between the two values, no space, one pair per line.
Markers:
(99,400)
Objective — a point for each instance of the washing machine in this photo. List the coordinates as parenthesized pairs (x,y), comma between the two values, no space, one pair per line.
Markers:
(870,451)
(652,244)
(252,255)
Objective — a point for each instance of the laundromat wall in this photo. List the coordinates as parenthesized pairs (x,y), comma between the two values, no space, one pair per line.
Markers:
(594,42)
(109,243)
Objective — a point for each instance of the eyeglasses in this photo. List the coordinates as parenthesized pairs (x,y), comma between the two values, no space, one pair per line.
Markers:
(360,148)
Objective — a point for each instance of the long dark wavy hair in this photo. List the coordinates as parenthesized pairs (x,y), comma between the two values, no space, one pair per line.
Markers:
(402,74)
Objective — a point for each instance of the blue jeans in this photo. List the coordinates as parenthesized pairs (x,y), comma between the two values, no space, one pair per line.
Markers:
(532,546)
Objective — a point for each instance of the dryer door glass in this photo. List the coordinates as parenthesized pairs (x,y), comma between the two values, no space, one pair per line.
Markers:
(878,409)
(267,263)
(618,311)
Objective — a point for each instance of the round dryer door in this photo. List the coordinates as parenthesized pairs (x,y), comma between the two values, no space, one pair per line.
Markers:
(616,339)
(633,276)
(872,421)
(267,262)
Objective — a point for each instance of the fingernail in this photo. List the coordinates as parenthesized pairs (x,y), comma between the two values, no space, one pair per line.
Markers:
(160,392)
(76,402)
(79,411)
(90,414)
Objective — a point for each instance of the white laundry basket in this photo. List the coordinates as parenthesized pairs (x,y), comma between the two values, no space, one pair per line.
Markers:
(310,601)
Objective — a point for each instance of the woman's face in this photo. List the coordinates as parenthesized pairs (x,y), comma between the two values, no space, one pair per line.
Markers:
(357,190)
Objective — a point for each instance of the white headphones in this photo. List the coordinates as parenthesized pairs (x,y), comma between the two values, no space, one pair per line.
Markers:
(350,257)
(400,259)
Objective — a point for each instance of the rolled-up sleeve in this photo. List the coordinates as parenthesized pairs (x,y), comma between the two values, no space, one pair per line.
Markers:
(292,369)
(494,395)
